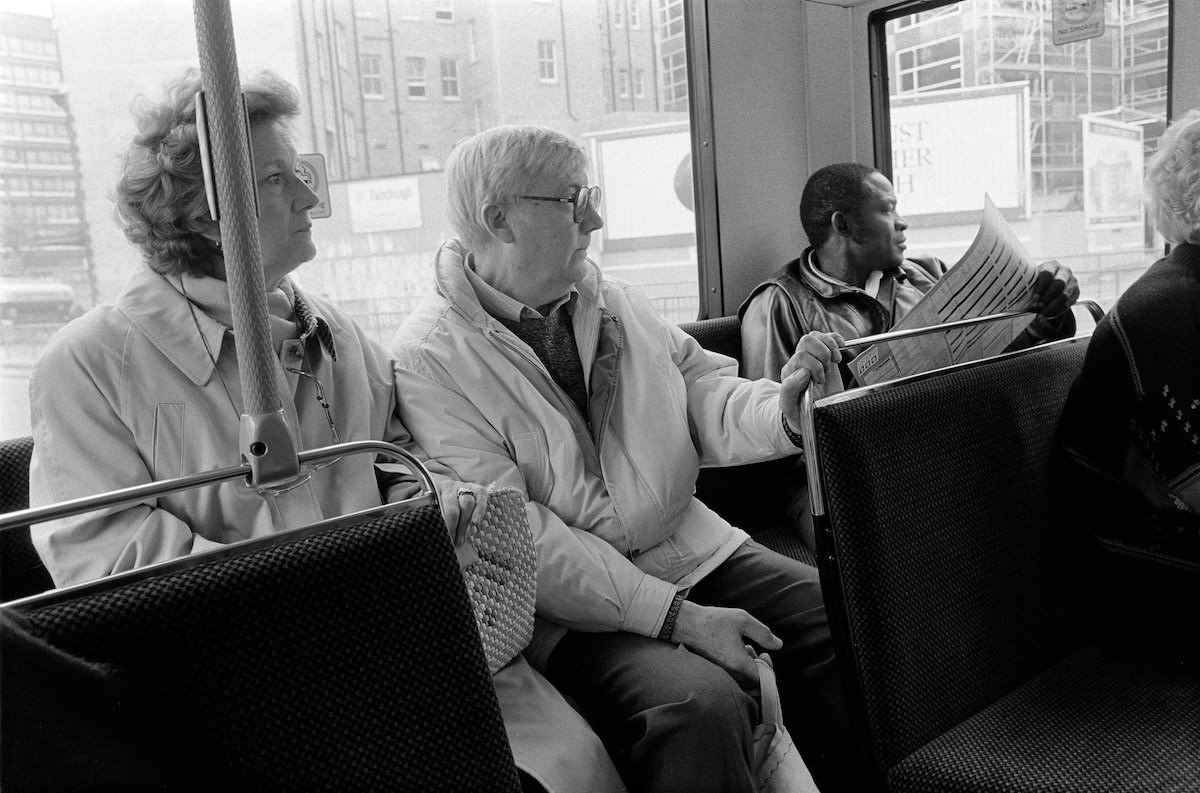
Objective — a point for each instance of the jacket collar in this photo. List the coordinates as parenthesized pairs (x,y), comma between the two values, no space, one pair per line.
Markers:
(160,312)
(806,272)
(453,283)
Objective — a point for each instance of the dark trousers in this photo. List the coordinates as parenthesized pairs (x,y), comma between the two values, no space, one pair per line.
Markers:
(674,721)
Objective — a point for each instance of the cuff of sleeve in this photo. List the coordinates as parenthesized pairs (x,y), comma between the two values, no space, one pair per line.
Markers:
(649,608)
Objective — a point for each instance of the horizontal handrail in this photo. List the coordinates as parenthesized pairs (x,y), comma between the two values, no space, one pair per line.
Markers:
(807,401)
(170,566)
(892,335)
(137,493)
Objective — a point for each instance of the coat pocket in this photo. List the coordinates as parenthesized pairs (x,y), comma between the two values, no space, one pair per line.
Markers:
(532,455)
(168,440)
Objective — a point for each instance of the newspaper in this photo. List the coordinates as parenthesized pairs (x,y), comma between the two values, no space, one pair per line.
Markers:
(993,276)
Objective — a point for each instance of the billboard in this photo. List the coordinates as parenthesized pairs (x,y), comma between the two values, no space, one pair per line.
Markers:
(646,176)
(1112,174)
(944,159)
(389,204)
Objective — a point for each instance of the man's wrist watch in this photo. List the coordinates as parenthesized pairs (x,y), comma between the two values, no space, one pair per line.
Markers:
(668,626)
(796,440)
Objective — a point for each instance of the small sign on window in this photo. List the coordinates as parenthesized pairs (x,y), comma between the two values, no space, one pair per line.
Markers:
(311,168)
(1076,20)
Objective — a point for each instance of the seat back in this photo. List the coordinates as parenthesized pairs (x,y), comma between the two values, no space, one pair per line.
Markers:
(342,659)
(943,575)
(776,486)
(21,570)
(718,334)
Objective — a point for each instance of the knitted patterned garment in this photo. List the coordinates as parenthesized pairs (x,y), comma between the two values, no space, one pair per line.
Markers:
(552,338)
(1132,422)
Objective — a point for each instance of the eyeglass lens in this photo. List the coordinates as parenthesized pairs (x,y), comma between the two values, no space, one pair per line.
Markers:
(586,197)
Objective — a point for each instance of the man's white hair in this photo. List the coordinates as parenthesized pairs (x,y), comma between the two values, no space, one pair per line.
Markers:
(1173,180)
(499,164)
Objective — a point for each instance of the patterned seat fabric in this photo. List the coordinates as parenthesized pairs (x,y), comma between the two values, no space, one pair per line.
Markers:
(345,660)
(954,595)
(761,497)
(21,570)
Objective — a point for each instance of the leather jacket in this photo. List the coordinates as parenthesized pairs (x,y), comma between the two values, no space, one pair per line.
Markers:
(798,298)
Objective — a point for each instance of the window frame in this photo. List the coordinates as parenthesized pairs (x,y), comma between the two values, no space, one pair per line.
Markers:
(412,80)
(372,77)
(449,81)
(545,61)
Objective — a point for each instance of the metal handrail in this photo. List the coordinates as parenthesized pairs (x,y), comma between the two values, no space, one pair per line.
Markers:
(807,428)
(137,493)
(892,335)
(265,439)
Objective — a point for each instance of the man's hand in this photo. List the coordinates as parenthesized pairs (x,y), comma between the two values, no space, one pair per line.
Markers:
(1054,290)
(815,363)
(720,635)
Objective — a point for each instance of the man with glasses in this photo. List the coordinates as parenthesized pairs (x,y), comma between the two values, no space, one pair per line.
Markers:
(531,368)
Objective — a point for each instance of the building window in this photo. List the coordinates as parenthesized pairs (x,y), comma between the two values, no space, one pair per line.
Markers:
(443,10)
(414,72)
(675,85)
(472,46)
(450,79)
(351,132)
(410,9)
(635,14)
(619,14)
(547,61)
(322,58)
(340,47)
(639,83)
(913,20)
(623,83)
(930,65)
(371,67)
(670,19)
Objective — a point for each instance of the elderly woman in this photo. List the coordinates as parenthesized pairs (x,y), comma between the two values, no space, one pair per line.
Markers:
(148,388)
(1131,426)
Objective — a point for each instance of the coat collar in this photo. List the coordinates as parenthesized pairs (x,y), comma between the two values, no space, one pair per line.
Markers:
(804,270)
(160,312)
(453,284)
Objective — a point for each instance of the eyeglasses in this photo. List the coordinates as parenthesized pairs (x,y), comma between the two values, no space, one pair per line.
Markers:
(584,198)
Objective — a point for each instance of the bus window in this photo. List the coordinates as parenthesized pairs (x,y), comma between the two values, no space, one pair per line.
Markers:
(1050,108)
(388,87)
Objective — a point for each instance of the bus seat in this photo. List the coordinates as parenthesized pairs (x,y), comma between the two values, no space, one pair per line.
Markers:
(719,334)
(756,497)
(344,659)
(952,598)
(21,570)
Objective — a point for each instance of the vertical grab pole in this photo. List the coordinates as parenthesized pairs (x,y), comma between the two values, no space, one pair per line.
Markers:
(266,441)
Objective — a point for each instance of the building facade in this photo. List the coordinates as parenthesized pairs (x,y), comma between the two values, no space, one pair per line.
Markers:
(44,230)
(393,84)
(1121,74)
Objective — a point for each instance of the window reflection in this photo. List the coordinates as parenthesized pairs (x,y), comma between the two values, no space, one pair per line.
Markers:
(389,86)
(1068,128)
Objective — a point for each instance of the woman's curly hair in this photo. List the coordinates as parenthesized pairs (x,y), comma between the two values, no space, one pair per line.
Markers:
(1173,180)
(160,198)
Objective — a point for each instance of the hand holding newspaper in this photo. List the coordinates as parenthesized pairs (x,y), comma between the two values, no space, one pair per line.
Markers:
(994,275)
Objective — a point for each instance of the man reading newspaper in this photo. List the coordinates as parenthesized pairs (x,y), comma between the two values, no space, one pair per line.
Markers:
(854,280)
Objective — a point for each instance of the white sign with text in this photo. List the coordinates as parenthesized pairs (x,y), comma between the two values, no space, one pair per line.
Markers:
(944,157)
